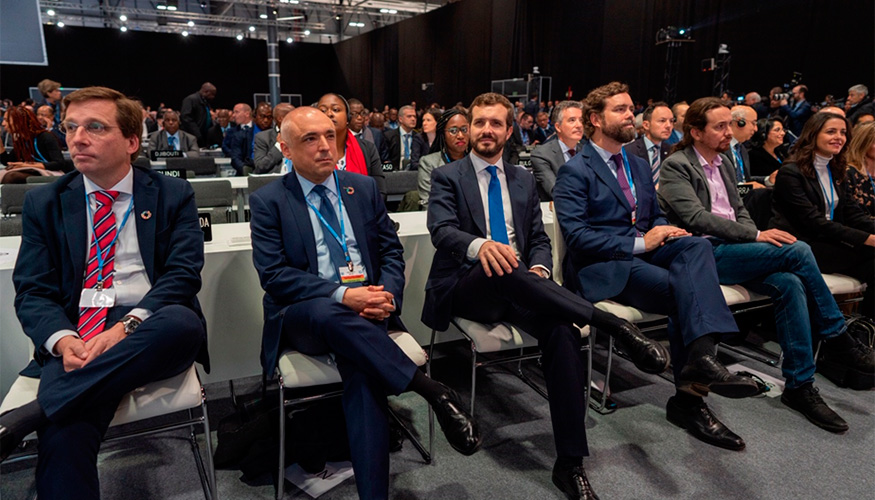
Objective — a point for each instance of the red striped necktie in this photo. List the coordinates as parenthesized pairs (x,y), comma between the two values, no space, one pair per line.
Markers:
(92,319)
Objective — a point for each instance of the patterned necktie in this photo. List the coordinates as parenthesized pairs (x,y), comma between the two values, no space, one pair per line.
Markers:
(572,152)
(92,319)
(654,163)
(326,208)
(171,142)
(496,208)
(739,171)
(624,182)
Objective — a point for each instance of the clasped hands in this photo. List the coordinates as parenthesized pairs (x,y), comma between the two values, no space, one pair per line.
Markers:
(76,353)
(370,302)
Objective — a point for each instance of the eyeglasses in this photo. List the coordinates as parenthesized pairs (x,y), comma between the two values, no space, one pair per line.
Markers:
(94,129)
(456,130)
(363,114)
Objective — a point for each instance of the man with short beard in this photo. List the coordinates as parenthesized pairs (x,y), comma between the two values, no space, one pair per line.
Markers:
(621,247)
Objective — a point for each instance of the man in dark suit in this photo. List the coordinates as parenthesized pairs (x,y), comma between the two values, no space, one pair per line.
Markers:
(621,247)
(698,193)
(110,319)
(357,115)
(195,113)
(544,130)
(238,143)
(332,268)
(216,134)
(172,138)
(800,111)
(679,110)
(399,141)
(492,263)
(652,146)
(743,126)
(547,158)
(268,155)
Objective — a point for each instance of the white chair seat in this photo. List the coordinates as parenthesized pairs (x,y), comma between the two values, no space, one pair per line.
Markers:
(177,393)
(630,314)
(737,294)
(841,284)
(301,370)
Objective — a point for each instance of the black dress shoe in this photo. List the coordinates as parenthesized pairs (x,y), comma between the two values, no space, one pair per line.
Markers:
(701,423)
(854,367)
(460,428)
(573,482)
(648,355)
(706,374)
(806,400)
(16,424)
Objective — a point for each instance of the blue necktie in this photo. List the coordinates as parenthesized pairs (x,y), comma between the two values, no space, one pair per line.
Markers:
(326,208)
(496,208)
(739,172)
(171,141)
(407,146)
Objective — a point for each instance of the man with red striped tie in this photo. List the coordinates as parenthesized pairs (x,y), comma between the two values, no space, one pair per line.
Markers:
(106,278)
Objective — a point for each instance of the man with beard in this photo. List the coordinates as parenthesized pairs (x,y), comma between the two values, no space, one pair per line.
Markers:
(621,247)
(492,263)
(698,192)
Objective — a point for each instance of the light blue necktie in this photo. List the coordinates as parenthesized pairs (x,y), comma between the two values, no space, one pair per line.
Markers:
(739,172)
(496,208)
(407,146)
(171,141)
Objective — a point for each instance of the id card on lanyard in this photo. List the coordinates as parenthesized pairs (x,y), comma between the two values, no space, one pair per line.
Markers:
(628,171)
(102,296)
(350,273)
(831,197)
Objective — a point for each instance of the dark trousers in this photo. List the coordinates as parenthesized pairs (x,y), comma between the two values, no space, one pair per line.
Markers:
(546,310)
(371,366)
(80,404)
(679,280)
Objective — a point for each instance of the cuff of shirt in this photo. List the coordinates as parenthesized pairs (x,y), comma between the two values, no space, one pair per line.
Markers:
(338,294)
(639,246)
(50,343)
(139,312)
(474,248)
(542,268)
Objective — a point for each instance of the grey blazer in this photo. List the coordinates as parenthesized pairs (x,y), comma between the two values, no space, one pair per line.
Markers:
(268,159)
(427,164)
(685,197)
(546,160)
(187,143)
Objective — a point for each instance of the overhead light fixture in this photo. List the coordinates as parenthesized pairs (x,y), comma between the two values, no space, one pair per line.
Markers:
(50,12)
(240,36)
(161,6)
(289,40)
(306,32)
(185,33)
(263,16)
(252,28)
(290,1)
(124,29)
(393,11)
(60,24)
(357,25)
(171,7)
(123,18)
(191,24)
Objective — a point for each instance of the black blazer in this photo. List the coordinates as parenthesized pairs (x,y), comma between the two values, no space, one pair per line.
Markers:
(419,149)
(798,208)
(639,149)
(48,147)
(762,164)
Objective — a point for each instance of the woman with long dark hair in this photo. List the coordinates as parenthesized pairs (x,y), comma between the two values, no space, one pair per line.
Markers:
(33,146)
(812,200)
(769,152)
(450,144)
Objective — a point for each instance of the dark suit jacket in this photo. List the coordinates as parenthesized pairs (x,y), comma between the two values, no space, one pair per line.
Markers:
(685,196)
(268,158)
(546,160)
(420,148)
(215,135)
(639,148)
(393,144)
(762,164)
(596,221)
(51,265)
(284,250)
(238,147)
(187,143)
(798,208)
(456,218)
(542,135)
(193,117)
(745,158)
(375,136)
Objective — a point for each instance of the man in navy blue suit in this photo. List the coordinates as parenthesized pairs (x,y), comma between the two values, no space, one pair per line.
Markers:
(105,282)
(492,264)
(332,268)
(621,247)
(239,141)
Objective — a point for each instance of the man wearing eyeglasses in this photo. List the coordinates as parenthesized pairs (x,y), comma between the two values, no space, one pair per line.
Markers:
(652,147)
(357,115)
(106,286)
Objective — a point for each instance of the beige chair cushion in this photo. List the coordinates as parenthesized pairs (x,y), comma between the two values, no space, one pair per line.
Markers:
(181,392)
(841,284)
(301,370)
(737,294)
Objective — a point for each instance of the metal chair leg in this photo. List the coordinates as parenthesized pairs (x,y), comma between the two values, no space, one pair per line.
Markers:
(208,442)
(430,410)
(281,475)
(426,454)
(473,376)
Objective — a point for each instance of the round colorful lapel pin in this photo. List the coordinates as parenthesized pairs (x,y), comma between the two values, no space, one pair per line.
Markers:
(146,215)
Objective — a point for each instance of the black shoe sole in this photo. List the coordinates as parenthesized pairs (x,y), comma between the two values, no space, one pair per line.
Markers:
(833,429)
(843,376)
(559,485)
(701,437)
(732,391)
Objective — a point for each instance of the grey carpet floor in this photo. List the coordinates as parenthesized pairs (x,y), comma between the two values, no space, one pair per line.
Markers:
(634,452)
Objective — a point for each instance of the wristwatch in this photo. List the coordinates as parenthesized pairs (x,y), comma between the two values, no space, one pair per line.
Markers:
(130,323)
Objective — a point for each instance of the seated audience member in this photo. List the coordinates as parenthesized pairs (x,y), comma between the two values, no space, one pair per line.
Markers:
(423,141)
(698,193)
(238,143)
(834,110)
(357,125)
(353,155)
(268,156)
(392,119)
(547,158)
(858,103)
(172,138)
(51,92)
(543,129)
(743,126)
(492,263)
(861,167)
(769,151)
(216,134)
(333,287)
(451,144)
(652,146)
(46,116)
(399,140)
(621,247)
(88,358)
(33,146)
(799,112)
(194,113)
(812,201)
(755,101)
(263,118)
(526,133)
(677,133)
(377,121)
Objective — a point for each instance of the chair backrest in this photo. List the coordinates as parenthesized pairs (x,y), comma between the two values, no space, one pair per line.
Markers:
(558,247)
(12,197)
(257,182)
(201,166)
(401,182)
(10,226)
(213,193)
(42,179)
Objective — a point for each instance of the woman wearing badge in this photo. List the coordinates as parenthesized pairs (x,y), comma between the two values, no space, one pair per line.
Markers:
(812,200)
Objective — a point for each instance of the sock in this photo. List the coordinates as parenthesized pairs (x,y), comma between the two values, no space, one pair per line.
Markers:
(686,400)
(841,342)
(706,345)
(605,321)
(563,462)
(426,387)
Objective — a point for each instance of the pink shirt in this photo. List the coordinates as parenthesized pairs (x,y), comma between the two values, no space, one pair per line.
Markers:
(719,198)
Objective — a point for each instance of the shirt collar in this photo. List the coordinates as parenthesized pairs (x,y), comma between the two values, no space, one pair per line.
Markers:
(718,160)
(648,143)
(173,135)
(480,164)
(603,153)
(734,142)
(126,185)
(307,185)
(565,147)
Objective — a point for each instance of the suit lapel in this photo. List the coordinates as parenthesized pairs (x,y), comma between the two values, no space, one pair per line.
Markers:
(558,155)
(518,202)
(75,219)
(301,213)
(145,200)
(604,173)
(696,167)
(355,210)
(471,190)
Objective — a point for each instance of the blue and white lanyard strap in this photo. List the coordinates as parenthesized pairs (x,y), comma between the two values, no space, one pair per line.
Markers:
(831,197)
(628,170)
(342,237)
(38,154)
(871,182)
(102,253)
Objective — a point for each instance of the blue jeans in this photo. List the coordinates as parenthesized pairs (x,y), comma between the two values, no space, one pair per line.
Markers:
(803,303)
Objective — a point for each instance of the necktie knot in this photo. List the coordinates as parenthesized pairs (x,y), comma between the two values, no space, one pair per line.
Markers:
(493,171)
(106,197)
(618,160)
(572,152)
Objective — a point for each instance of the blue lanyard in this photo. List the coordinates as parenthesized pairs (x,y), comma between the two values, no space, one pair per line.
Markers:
(342,238)
(871,181)
(831,200)
(101,258)
(739,162)
(628,170)
(39,155)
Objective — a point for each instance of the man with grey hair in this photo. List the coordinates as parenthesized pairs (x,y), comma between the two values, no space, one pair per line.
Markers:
(752,99)
(744,125)
(400,140)
(858,103)
(548,157)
